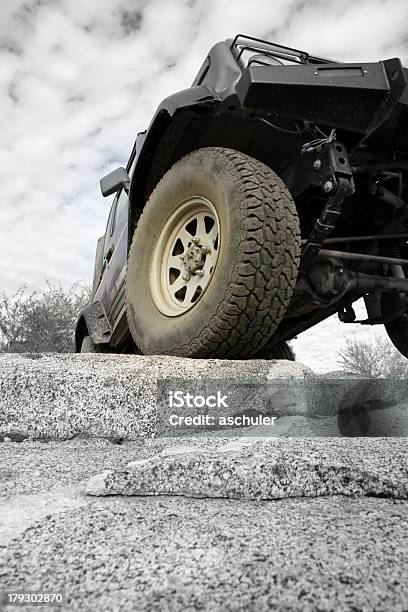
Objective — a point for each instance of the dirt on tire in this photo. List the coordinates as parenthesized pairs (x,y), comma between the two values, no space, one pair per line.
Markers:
(257,265)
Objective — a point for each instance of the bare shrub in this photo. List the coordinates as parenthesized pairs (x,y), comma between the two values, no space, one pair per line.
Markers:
(41,321)
(376,358)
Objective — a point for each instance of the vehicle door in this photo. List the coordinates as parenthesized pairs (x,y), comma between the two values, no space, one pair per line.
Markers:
(101,263)
(117,255)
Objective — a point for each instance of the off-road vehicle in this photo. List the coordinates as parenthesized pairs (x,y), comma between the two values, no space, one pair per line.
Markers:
(268,196)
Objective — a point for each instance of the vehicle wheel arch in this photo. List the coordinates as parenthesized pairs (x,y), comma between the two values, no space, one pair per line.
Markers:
(171,137)
(162,148)
(81,330)
(92,321)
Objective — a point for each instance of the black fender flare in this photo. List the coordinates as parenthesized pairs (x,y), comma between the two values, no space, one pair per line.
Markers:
(196,99)
(92,321)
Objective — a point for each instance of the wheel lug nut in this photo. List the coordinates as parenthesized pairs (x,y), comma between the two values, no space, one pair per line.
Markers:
(205,250)
(195,240)
(200,273)
(186,277)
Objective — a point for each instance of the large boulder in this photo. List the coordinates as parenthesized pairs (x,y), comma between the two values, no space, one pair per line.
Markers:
(127,396)
(130,397)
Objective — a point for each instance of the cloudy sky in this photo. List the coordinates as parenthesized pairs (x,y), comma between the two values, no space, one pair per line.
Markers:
(80,78)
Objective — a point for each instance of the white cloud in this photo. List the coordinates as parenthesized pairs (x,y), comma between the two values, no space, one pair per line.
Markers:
(79,79)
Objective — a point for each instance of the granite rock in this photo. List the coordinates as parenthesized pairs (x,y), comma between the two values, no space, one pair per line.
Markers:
(54,396)
(248,468)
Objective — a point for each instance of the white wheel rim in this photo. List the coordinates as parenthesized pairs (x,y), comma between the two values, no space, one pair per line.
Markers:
(185,256)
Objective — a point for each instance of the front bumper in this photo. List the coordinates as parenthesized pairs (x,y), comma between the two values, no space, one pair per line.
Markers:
(364,98)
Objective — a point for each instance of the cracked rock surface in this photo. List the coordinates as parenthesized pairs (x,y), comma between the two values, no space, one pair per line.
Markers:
(266,469)
(296,518)
(161,552)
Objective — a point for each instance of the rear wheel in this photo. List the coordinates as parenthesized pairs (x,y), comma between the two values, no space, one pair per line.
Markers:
(88,345)
(214,258)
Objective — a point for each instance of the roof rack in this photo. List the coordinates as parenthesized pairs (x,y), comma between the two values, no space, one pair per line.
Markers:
(243,43)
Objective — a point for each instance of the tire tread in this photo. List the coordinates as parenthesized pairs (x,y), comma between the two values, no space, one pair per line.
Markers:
(265,273)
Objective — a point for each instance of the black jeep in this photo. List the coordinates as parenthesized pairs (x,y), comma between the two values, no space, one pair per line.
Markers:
(269,195)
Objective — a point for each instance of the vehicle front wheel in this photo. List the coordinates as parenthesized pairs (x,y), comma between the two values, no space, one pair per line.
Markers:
(214,258)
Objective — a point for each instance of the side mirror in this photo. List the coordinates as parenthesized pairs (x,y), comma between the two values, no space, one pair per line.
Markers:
(112,182)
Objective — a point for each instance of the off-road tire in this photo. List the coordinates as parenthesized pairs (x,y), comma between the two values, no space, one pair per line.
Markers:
(281,350)
(257,264)
(397,329)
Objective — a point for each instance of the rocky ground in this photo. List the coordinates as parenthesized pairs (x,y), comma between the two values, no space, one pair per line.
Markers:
(293,517)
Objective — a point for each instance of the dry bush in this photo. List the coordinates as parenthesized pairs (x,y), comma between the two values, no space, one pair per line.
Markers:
(376,358)
(41,321)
